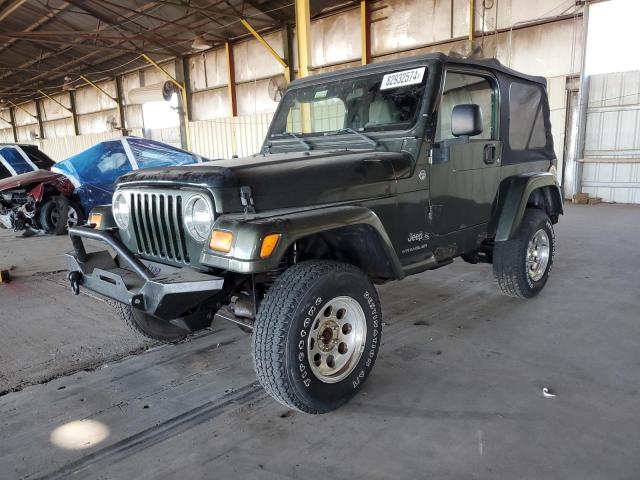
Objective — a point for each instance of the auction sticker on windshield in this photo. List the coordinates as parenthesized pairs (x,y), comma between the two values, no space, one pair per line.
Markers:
(401,79)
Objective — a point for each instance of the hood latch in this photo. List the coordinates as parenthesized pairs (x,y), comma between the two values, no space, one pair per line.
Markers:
(246,197)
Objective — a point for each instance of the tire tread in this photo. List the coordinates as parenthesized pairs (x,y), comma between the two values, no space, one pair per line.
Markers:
(274,317)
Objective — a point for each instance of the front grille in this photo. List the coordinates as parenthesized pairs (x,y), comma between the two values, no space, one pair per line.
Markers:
(157,225)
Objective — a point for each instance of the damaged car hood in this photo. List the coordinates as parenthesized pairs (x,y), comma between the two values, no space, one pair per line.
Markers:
(27,179)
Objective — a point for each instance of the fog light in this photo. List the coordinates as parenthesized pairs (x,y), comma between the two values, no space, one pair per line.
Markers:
(221,241)
(269,244)
(95,219)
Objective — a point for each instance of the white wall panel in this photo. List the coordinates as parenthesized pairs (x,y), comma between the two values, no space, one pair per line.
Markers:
(152,75)
(93,123)
(336,39)
(58,128)
(208,70)
(62,148)
(24,118)
(133,116)
(129,82)
(27,133)
(52,110)
(253,98)
(410,24)
(215,67)
(210,104)
(6,135)
(226,137)
(611,168)
(253,61)
(90,100)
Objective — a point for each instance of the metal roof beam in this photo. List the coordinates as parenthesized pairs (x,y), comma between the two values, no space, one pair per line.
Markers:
(10,8)
(159,41)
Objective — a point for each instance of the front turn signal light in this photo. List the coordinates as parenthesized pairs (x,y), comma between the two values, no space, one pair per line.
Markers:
(221,241)
(95,219)
(269,244)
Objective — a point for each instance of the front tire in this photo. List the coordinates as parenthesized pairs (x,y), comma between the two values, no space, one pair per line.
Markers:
(58,213)
(148,326)
(521,266)
(317,335)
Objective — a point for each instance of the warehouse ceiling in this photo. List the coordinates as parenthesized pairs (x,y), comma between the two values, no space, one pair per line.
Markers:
(44,41)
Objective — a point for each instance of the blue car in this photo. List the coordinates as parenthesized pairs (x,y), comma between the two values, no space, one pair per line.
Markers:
(35,199)
(18,159)
(94,171)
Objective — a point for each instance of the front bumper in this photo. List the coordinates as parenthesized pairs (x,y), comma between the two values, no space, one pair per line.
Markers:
(126,279)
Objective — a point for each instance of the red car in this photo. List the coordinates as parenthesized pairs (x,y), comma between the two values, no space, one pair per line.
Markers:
(31,196)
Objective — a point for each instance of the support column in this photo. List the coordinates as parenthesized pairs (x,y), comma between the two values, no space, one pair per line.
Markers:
(68,109)
(303,30)
(287,37)
(74,114)
(583,100)
(186,80)
(39,115)
(231,80)
(365,32)
(12,117)
(472,21)
(121,108)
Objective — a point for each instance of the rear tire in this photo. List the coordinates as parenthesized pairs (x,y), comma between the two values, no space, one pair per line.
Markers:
(317,335)
(521,266)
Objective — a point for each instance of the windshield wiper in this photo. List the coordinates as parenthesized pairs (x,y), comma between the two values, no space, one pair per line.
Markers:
(367,139)
(301,141)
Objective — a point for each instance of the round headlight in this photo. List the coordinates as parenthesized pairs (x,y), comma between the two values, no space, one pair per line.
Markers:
(121,210)
(198,218)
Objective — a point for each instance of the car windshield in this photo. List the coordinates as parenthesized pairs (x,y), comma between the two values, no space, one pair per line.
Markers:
(375,102)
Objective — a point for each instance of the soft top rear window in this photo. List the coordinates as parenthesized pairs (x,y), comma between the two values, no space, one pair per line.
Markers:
(526,117)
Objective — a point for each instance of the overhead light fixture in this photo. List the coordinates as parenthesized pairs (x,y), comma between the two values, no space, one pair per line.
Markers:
(68,84)
(200,44)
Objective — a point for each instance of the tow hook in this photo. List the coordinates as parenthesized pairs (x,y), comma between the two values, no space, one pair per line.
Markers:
(74,278)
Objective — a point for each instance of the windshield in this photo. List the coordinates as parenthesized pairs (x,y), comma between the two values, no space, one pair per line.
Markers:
(376,102)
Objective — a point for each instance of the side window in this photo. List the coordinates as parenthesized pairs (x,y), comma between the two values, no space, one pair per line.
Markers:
(15,160)
(526,121)
(461,88)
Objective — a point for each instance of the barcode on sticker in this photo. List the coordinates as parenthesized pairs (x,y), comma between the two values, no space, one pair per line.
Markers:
(401,79)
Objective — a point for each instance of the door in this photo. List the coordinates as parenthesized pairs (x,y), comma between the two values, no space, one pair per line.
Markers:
(465,170)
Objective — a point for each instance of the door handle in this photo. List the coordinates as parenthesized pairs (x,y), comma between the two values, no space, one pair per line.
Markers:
(490,154)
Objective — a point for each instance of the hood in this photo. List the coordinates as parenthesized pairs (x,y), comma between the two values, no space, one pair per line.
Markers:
(28,179)
(293,179)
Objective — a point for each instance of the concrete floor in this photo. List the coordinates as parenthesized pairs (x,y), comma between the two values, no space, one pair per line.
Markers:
(456,391)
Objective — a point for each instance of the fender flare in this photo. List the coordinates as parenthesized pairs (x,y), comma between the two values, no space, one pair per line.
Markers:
(513,198)
(244,256)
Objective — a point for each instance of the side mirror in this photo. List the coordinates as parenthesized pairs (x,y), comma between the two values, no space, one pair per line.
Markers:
(466,120)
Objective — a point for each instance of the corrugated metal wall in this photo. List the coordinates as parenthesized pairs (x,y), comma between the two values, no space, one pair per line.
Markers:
(61,148)
(612,142)
(226,137)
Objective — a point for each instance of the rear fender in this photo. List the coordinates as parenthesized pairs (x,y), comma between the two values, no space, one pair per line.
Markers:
(514,196)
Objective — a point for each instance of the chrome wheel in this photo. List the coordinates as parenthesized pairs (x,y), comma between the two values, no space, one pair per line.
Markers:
(337,338)
(538,253)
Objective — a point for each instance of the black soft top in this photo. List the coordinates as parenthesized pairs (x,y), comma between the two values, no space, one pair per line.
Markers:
(408,62)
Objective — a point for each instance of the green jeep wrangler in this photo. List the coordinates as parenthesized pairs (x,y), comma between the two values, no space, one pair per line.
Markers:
(367,175)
